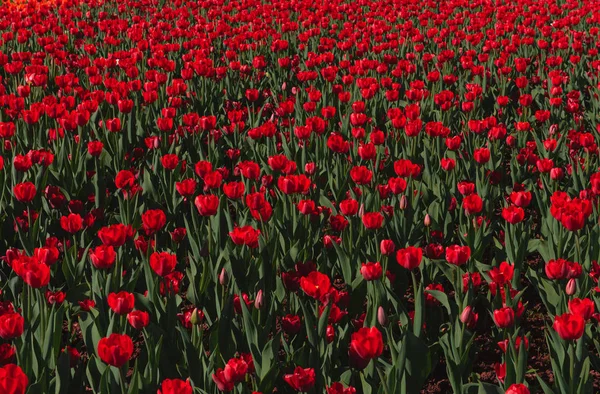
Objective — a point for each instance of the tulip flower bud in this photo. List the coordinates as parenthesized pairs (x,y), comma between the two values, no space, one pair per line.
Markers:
(466,315)
(403,202)
(381,316)
(259,301)
(195,317)
(223,279)
(361,210)
(427,220)
(310,168)
(571,286)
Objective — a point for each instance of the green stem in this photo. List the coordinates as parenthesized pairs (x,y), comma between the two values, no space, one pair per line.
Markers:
(386,390)
(572,367)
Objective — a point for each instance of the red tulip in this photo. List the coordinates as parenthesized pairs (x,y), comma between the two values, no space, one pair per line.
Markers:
(458,255)
(372,220)
(316,285)
(33,272)
(71,223)
(153,221)
(115,350)
(504,317)
(582,307)
(121,303)
(11,325)
(291,324)
(222,383)
(114,235)
(207,204)
(371,271)
(387,247)
(513,214)
(138,319)
(24,192)
(245,235)
(472,204)
(235,370)
(569,326)
(410,257)
(163,263)
(517,388)
(175,386)
(303,379)
(366,344)
(13,380)
(103,257)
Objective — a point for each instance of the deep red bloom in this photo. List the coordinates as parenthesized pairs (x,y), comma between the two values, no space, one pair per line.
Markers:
(71,223)
(371,271)
(121,303)
(153,220)
(103,257)
(458,255)
(138,319)
(114,235)
(366,344)
(234,190)
(235,370)
(410,257)
(11,325)
(291,324)
(349,207)
(115,350)
(33,272)
(13,380)
(245,235)
(24,192)
(186,187)
(175,386)
(472,204)
(303,379)
(513,214)
(504,317)
(163,263)
(207,204)
(124,179)
(316,285)
(569,326)
(517,388)
(222,383)
(582,307)
(372,220)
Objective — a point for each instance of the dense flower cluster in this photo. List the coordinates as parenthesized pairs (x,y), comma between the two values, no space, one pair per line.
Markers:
(296,196)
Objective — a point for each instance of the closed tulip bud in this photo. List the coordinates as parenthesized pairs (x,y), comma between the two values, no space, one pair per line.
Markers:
(427,221)
(259,301)
(403,202)
(361,211)
(195,317)
(571,286)
(381,316)
(466,315)
(223,279)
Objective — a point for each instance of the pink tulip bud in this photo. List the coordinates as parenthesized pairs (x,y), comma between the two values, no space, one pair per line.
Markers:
(381,316)
(259,301)
(427,221)
(466,315)
(361,210)
(403,202)
(571,286)
(223,279)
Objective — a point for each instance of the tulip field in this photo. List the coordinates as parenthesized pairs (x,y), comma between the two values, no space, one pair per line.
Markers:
(298,196)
